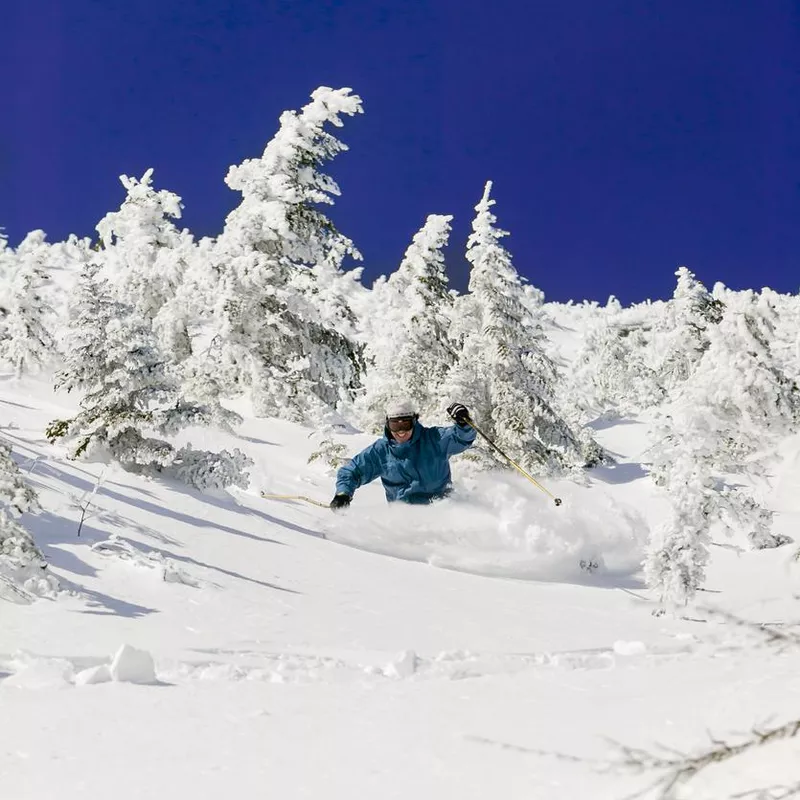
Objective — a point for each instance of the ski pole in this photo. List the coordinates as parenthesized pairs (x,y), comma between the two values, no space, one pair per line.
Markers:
(294,497)
(556,500)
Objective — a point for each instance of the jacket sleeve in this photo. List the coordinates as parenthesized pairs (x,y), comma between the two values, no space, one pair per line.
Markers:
(361,469)
(455,439)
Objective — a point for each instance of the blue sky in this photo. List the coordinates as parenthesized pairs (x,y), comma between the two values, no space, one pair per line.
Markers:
(624,138)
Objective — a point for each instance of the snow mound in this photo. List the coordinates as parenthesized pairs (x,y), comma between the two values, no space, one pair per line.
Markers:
(404,666)
(92,675)
(498,525)
(131,665)
(128,665)
(624,648)
(34,672)
(24,583)
(125,550)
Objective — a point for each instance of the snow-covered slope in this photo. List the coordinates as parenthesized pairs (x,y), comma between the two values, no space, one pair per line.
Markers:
(449,651)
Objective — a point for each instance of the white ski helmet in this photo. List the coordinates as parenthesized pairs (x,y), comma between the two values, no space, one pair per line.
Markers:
(400,408)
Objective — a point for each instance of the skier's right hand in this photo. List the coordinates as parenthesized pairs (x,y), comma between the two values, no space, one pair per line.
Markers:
(459,413)
(340,502)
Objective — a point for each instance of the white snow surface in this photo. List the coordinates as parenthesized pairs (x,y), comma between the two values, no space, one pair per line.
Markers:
(223,645)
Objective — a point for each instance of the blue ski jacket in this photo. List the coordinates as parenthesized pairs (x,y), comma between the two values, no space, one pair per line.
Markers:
(416,471)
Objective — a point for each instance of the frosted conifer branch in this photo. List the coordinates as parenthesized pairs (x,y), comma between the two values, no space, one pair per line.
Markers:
(680,768)
(782,636)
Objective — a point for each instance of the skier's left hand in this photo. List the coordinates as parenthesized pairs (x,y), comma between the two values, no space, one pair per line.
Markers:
(459,413)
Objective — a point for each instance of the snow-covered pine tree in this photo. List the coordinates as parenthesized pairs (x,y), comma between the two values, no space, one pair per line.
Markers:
(130,392)
(408,348)
(16,496)
(503,373)
(610,374)
(8,261)
(723,419)
(759,402)
(113,357)
(281,315)
(785,346)
(132,240)
(206,470)
(328,453)
(22,563)
(678,549)
(66,262)
(681,334)
(144,259)
(27,340)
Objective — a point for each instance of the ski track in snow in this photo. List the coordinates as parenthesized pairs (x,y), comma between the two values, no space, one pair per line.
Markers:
(496,526)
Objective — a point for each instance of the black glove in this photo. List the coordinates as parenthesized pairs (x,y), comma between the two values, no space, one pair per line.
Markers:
(459,413)
(340,501)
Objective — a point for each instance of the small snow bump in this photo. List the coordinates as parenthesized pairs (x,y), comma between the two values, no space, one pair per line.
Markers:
(404,666)
(41,673)
(131,665)
(624,648)
(99,674)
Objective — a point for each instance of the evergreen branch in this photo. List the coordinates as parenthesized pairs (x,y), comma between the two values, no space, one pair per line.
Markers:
(27,597)
(782,636)
(770,793)
(679,768)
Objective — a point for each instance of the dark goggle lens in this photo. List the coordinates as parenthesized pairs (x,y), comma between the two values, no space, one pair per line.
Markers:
(401,424)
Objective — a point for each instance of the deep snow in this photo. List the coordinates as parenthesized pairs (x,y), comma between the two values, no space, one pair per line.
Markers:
(452,651)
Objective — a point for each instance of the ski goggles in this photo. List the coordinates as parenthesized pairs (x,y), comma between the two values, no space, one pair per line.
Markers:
(400,424)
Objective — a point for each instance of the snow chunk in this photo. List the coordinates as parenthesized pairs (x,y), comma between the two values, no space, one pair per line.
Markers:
(404,666)
(133,666)
(624,648)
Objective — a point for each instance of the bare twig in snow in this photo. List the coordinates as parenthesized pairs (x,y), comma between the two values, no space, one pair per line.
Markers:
(86,499)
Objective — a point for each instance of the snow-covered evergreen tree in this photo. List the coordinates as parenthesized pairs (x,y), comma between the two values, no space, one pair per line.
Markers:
(678,550)
(328,453)
(113,357)
(8,261)
(16,496)
(733,407)
(66,262)
(144,258)
(27,341)
(610,374)
(22,563)
(784,310)
(130,392)
(281,315)
(409,352)
(744,380)
(503,373)
(206,470)
(682,332)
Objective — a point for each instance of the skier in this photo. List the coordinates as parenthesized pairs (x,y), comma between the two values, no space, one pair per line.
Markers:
(411,460)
